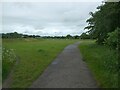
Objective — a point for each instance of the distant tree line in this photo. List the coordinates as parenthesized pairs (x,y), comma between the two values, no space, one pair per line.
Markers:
(104,24)
(17,35)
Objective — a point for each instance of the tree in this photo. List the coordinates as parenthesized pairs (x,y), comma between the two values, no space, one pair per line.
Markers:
(11,35)
(69,36)
(104,21)
(84,36)
(76,37)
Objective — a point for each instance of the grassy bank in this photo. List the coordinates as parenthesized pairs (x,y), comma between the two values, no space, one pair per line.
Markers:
(34,55)
(102,61)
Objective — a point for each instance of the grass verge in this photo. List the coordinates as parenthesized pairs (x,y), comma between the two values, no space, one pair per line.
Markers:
(102,61)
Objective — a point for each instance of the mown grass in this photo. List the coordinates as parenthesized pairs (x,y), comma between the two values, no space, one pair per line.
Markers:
(102,61)
(34,55)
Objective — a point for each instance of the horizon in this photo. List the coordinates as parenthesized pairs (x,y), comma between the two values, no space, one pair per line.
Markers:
(40,35)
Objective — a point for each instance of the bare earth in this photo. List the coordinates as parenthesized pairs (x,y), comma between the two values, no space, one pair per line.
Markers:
(68,70)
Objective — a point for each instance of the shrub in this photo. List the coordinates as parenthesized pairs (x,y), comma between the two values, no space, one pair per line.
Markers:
(112,40)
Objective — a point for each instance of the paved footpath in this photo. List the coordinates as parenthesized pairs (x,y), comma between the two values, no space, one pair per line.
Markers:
(68,70)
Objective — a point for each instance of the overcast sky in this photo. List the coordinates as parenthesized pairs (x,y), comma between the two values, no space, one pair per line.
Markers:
(46,18)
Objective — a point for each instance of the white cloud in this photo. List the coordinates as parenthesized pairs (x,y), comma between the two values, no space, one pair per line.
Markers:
(53,0)
(50,18)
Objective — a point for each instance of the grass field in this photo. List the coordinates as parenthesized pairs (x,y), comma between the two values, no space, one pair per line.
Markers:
(102,61)
(34,56)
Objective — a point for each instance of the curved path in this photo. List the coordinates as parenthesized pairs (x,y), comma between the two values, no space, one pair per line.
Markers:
(68,70)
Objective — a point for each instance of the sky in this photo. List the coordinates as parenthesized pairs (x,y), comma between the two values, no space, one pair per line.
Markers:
(46,18)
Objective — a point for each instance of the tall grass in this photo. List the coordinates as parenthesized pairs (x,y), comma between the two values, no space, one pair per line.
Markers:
(102,61)
(8,61)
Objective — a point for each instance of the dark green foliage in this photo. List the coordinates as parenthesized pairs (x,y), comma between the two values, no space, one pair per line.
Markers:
(69,36)
(106,19)
(11,35)
(85,36)
(112,39)
(76,37)
(18,35)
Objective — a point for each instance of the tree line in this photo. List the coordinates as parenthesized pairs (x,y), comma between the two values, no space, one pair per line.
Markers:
(104,24)
(18,35)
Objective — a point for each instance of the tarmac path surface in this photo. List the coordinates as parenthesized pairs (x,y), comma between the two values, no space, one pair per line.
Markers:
(68,70)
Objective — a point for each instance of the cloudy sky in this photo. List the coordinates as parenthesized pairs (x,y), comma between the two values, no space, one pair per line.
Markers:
(46,18)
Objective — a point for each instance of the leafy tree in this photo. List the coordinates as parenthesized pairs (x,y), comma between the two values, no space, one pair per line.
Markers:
(69,36)
(76,37)
(104,20)
(11,35)
(85,36)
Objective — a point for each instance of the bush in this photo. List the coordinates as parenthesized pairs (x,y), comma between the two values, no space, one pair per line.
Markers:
(112,40)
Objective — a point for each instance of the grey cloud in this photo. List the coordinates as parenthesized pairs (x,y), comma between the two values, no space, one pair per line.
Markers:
(51,18)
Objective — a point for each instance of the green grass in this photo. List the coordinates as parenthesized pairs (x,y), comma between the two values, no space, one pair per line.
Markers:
(34,55)
(102,61)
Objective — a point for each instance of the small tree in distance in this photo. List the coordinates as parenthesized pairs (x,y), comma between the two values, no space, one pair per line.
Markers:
(69,36)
